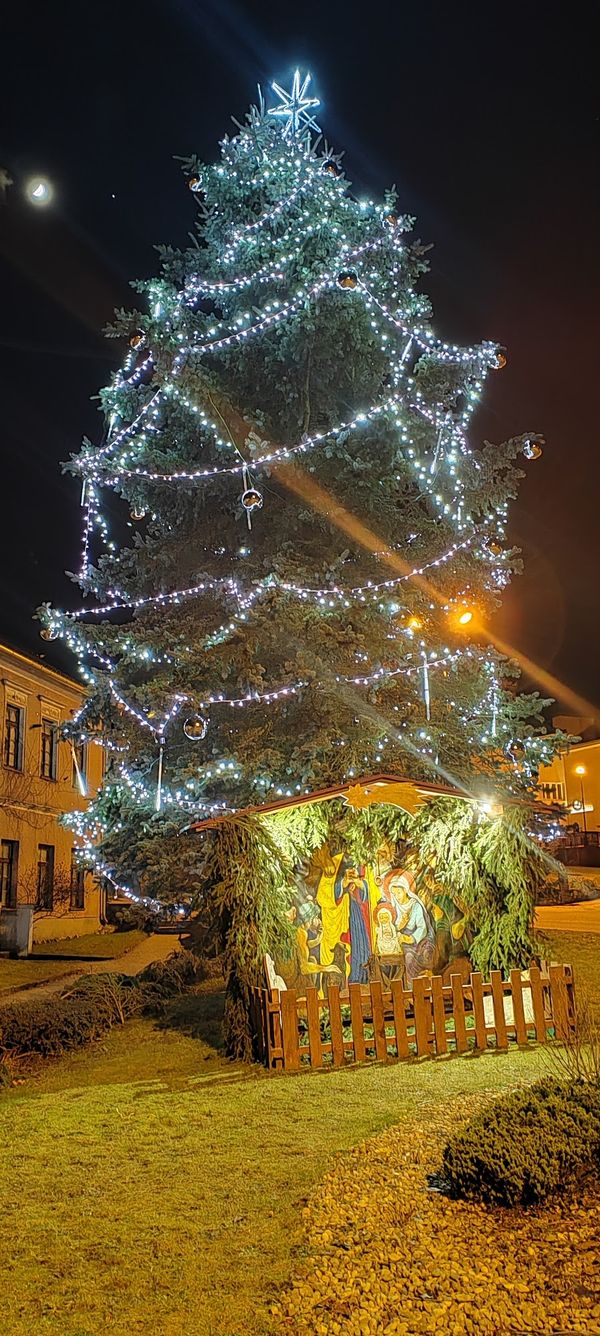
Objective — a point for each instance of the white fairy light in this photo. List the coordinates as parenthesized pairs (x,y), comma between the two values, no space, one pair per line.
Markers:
(255,297)
(295,108)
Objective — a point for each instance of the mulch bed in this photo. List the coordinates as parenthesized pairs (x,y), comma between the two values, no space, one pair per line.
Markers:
(385,1254)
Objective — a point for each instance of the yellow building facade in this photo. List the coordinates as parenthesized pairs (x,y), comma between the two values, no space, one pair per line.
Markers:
(42,777)
(572,781)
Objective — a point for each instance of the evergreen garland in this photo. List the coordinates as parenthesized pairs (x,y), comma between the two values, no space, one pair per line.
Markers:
(251,883)
(493,870)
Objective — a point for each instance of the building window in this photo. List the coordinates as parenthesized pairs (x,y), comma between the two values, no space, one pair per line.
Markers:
(79,766)
(14,728)
(77,883)
(9,864)
(49,749)
(554,792)
(45,877)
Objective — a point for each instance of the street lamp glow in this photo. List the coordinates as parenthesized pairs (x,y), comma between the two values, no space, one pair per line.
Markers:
(580,770)
(39,190)
(465,617)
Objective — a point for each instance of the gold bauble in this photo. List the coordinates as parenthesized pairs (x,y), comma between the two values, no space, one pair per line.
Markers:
(252,499)
(348,278)
(195,728)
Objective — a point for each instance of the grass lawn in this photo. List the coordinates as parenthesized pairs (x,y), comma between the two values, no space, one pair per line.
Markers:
(92,945)
(65,956)
(149,1186)
(582,951)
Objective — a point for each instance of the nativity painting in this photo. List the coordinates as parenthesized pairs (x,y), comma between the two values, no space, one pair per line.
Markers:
(356,921)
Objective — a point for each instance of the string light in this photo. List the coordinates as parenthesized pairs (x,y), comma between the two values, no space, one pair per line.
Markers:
(147,450)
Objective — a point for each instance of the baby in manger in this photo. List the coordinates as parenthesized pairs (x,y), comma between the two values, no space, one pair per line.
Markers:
(390,920)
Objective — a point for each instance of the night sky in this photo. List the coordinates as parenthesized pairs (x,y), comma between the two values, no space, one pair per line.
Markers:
(486,119)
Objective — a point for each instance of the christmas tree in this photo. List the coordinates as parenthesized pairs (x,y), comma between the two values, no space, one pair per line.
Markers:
(291,543)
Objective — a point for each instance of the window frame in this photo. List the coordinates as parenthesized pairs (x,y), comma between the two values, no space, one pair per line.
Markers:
(77,896)
(19,749)
(45,893)
(9,883)
(50,732)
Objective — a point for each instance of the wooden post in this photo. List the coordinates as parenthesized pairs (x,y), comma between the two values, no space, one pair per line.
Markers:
(439,1014)
(516,988)
(458,1011)
(478,1010)
(378,1021)
(257,1016)
(335,1021)
(537,998)
(314,1027)
(274,1032)
(499,1017)
(422,1010)
(356,1013)
(560,1004)
(289,1024)
(402,1045)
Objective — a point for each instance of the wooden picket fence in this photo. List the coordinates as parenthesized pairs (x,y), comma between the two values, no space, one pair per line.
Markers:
(295,1032)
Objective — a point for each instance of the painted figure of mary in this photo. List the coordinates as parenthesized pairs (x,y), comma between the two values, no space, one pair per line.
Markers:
(414,924)
(350,882)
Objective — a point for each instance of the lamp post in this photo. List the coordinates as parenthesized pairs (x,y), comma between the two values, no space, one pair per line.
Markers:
(580,770)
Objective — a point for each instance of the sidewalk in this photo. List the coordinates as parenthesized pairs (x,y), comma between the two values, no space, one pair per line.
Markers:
(157,946)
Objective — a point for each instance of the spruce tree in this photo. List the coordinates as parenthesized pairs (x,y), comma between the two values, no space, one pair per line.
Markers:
(304,540)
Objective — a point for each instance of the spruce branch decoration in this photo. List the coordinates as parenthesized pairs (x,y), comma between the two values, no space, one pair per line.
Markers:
(251,888)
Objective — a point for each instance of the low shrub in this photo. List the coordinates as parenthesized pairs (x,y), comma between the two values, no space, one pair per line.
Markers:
(527,1145)
(91,1006)
(116,994)
(126,917)
(53,1026)
(163,978)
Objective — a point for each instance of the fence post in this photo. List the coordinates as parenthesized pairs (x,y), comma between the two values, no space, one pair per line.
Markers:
(422,1010)
(439,1014)
(289,1025)
(314,1027)
(458,1011)
(378,1021)
(356,1013)
(258,1023)
(478,1010)
(274,1032)
(537,998)
(335,1021)
(560,1002)
(499,1016)
(516,988)
(402,1045)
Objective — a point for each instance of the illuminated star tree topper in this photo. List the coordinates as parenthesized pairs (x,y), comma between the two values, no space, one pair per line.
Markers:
(294,107)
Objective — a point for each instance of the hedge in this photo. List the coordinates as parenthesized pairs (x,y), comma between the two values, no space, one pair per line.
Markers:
(527,1146)
(92,1006)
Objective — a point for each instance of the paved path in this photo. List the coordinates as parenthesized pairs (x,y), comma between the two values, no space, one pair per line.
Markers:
(157,946)
(581,917)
